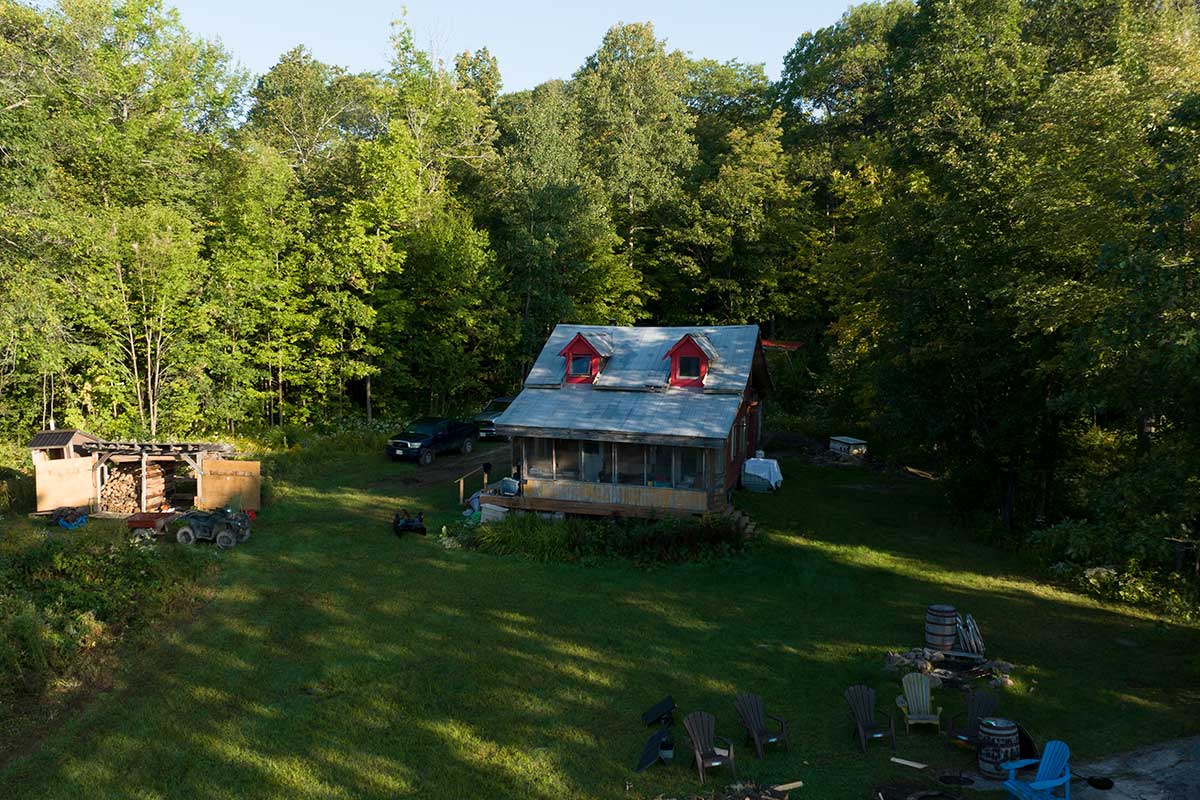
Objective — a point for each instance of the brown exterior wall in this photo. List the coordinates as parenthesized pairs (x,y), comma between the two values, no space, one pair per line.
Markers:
(236,484)
(668,500)
(744,437)
(65,482)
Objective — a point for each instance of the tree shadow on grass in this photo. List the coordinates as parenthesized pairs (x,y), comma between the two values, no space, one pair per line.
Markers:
(339,661)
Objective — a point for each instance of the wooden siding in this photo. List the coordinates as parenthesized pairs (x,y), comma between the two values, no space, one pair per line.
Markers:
(687,501)
(65,482)
(235,484)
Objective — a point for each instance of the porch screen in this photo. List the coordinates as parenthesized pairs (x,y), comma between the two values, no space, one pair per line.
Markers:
(566,460)
(537,452)
(631,464)
(595,466)
(658,465)
(691,468)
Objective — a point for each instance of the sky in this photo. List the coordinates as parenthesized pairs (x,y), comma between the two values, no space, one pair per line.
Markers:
(534,40)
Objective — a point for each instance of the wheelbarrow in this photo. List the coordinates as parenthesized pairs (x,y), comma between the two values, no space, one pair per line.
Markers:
(148,524)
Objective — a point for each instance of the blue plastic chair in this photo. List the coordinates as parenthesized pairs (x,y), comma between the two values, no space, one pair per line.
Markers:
(1053,771)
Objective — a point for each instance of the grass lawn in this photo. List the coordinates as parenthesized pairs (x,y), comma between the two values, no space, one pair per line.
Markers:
(337,661)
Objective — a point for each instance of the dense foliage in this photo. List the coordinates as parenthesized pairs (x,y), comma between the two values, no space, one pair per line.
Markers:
(979,218)
(62,595)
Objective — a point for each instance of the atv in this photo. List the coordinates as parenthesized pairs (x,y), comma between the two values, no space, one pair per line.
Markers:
(224,526)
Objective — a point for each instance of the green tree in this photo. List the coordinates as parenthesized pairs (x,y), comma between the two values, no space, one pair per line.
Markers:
(636,131)
(550,224)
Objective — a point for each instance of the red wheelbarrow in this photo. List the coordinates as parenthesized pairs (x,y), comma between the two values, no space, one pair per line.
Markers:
(148,524)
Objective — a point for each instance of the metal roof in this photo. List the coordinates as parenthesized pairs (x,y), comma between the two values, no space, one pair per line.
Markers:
(637,356)
(847,440)
(582,411)
(50,439)
(631,395)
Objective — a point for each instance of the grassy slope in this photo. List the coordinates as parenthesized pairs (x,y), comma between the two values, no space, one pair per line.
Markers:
(338,661)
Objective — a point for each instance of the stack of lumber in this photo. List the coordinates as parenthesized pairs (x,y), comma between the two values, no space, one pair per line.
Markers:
(160,485)
(121,493)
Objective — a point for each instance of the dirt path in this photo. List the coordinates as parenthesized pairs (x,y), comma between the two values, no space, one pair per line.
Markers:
(447,468)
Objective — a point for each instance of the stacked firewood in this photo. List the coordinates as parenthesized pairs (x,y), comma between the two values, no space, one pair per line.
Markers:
(160,485)
(121,493)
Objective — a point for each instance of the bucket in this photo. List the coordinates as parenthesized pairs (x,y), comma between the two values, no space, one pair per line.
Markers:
(941,627)
(999,742)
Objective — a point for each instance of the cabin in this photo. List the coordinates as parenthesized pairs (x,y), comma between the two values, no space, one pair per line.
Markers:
(636,421)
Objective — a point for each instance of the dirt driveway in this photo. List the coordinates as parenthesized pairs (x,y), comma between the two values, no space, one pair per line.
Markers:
(449,467)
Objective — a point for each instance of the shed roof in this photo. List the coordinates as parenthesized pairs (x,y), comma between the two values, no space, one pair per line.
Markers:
(46,440)
(847,440)
(631,396)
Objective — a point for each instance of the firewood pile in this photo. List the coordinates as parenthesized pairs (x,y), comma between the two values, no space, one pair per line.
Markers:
(948,671)
(160,485)
(121,492)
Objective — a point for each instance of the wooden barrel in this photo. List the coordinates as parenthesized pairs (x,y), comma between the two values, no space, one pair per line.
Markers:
(941,627)
(999,741)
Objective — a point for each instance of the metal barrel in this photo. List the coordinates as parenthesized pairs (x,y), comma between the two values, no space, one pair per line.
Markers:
(999,742)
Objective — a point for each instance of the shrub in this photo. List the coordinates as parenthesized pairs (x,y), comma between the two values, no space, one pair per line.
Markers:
(62,594)
(530,535)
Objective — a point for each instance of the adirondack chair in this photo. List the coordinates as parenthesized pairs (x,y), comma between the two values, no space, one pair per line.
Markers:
(701,729)
(861,700)
(918,705)
(1053,771)
(980,703)
(750,711)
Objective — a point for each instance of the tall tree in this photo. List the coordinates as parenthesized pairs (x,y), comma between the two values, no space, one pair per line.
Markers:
(636,130)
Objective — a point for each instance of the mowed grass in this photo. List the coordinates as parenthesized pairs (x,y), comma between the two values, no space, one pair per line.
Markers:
(338,661)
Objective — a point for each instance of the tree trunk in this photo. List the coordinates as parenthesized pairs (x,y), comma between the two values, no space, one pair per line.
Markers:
(369,416)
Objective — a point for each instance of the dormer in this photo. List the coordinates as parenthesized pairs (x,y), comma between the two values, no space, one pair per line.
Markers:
(583,355)
(690,359)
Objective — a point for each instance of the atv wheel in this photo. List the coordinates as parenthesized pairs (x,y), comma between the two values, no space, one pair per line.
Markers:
(186,535)
(225,537)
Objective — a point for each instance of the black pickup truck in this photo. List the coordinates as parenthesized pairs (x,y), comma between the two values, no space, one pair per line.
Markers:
(424,438)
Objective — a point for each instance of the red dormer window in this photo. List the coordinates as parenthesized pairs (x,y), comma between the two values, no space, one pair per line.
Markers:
(583,360)
(689,361)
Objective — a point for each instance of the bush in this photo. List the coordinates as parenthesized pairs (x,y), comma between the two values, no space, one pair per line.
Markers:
(539,538)
(645,541)
(62,594)
(17,491)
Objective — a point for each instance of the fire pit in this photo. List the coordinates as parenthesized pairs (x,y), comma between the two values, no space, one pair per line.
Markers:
(945,670)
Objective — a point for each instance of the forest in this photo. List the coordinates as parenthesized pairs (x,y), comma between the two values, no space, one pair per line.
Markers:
(979,219)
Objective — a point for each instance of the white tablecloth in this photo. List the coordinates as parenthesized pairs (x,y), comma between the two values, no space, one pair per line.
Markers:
(765,468)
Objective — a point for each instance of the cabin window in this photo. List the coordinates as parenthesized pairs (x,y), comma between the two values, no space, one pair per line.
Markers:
(581,365)
(689,367)
(566,460)
(595,462)
(539,455)
(691,468)
(631,464)
(658,465)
